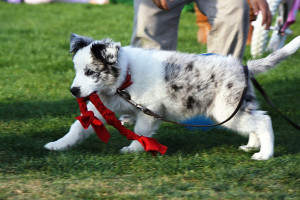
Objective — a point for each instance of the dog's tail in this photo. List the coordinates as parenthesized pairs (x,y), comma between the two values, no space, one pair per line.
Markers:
(260,65)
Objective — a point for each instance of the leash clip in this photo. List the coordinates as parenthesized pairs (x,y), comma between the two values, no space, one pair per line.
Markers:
(124,94)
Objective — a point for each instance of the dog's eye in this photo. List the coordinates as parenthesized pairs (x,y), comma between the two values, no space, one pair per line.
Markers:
(89,72)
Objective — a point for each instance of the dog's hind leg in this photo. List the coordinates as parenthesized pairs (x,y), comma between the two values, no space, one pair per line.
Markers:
(258,126)
(75,135)
(145,126)
(264,132)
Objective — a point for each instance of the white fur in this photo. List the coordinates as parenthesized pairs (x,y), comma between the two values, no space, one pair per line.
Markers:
(151,89)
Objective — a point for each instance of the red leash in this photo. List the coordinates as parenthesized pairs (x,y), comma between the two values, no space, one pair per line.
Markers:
(88,118)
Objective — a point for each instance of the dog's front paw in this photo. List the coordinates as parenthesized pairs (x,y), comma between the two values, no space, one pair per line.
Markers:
(261,156)
(56,146)
(126,119)
(247,148)
(135,146)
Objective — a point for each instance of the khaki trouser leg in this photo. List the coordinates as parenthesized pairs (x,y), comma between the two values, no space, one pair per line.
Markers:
(156,28)
(230,21)
(204,26)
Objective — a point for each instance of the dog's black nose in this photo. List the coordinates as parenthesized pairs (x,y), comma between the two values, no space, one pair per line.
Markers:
(75,91)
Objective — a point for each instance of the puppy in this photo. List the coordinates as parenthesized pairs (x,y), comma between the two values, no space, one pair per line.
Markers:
(175,85)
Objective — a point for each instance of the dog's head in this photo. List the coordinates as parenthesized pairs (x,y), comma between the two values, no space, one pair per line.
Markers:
(95,63)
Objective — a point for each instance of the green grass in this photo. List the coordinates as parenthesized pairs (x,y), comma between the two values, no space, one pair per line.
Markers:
(36,107)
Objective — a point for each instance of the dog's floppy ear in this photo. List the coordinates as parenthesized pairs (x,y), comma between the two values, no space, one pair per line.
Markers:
(77,42)
(106,52)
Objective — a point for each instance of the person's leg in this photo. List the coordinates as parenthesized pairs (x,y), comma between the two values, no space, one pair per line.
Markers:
(156,28)
(230,23)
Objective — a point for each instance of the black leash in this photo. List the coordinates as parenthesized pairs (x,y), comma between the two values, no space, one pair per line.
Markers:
(263,93)
(145,110)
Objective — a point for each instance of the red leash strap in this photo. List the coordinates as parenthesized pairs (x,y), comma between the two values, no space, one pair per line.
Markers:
(88,118)
(149,144)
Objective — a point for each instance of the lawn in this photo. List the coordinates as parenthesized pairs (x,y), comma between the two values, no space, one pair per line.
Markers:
(36,107)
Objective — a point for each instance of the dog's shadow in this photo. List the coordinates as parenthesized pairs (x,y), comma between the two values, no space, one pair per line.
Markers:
(183,140)
(37,109)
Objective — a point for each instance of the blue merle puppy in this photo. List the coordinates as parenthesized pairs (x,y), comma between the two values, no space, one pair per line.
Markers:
(175,85)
